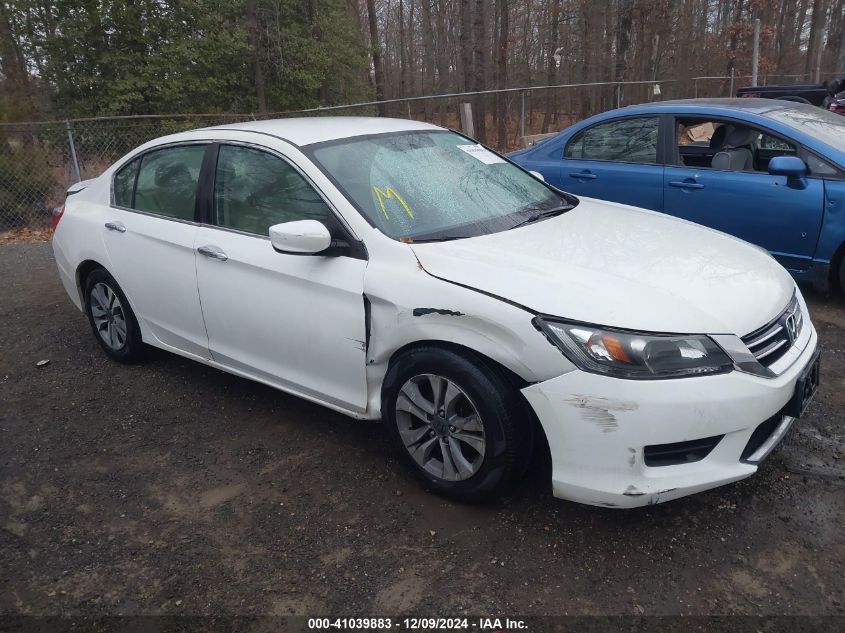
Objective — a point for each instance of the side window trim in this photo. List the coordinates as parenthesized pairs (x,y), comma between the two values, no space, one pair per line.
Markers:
(139,157)
(336,222)
(579,135)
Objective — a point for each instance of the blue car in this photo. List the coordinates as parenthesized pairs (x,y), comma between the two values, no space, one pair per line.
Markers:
(769,172)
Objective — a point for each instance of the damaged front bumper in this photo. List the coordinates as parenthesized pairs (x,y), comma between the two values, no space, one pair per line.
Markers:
(629,443)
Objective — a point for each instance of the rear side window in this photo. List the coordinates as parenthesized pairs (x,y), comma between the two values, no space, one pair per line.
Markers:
(167,181)
(625,140)
(254,190)
(124,184)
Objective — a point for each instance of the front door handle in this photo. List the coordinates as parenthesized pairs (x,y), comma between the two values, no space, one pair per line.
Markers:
(116,226)
(214,252)
(686,184)
(583,175)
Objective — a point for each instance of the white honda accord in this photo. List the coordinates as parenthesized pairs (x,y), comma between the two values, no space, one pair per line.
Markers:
(395,270)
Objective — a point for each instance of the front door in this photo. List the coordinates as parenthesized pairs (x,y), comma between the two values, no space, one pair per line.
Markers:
(781,216)
(294,321)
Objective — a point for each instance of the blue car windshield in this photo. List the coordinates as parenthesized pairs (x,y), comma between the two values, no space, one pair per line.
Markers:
(827,127)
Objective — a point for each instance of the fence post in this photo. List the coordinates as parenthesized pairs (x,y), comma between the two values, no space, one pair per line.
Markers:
(73,156)
(731,89)
(521,114)
(755,54)
(466,120)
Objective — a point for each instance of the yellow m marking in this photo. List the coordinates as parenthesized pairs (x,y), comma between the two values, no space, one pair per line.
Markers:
(386,194)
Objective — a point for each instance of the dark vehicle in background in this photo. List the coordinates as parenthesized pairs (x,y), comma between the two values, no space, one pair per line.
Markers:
(804,93)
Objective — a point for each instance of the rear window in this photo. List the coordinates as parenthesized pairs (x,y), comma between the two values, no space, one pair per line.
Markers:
(124,184)
(163,182)
(632,140)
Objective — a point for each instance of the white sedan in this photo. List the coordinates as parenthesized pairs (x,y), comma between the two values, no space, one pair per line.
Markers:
(395,270)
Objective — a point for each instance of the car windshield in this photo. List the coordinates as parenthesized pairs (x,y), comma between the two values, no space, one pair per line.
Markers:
(436,185)
(823,125)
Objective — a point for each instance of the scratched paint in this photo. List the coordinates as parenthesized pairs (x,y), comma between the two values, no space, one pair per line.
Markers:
(599,411)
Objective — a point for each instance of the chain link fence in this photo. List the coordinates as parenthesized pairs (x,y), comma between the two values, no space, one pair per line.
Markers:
(39,161)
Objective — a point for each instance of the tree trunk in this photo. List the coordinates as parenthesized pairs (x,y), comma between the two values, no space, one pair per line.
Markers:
(466,45)
(502,73)
(551,67)
(375,48)
(427,82)
(479,54)
(817,27)
(254,40)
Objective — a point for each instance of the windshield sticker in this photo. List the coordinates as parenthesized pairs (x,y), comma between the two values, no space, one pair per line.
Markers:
(481,153)
(386,194)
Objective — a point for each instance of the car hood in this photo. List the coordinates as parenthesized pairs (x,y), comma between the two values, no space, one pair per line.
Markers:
(624,267)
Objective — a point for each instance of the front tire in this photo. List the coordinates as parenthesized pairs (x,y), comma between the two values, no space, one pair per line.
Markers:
(457,422)
(112,319)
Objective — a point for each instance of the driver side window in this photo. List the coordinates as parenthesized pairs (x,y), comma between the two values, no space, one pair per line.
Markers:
(253,190)
(728,146)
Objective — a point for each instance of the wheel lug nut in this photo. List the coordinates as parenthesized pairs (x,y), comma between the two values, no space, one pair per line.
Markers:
(452,429)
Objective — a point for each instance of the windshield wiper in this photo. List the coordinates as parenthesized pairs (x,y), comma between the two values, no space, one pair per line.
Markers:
(548,213)
(445,238)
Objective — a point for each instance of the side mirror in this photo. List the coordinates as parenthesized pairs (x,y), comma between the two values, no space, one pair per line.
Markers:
(302,237)
(789,166)
(792,167)
(537,175)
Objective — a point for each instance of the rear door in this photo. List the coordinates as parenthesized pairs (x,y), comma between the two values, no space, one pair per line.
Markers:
(149,235)
(616,160)
(781,216)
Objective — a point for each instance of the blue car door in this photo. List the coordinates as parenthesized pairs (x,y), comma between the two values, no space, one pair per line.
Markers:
(616,160)
(782,216)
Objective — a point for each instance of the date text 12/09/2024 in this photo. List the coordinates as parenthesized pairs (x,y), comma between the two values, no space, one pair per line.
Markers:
(415,624)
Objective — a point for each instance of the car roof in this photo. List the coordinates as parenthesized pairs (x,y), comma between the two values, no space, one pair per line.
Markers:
(750,105)
(318,129)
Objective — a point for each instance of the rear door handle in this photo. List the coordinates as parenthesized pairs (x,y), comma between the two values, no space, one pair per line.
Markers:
(686,185)
(116,226)
(213,252)
(583,175)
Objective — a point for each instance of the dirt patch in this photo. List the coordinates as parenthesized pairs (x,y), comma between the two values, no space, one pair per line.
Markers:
(25,235)
(172,488)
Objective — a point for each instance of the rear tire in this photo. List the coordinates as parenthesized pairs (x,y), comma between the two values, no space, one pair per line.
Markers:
(457,422)
(112,319)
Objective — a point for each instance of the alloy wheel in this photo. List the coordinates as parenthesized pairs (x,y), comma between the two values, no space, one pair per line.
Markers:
(440,427)
(108,315)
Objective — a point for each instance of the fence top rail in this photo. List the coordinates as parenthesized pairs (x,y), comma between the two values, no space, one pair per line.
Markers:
(363,104)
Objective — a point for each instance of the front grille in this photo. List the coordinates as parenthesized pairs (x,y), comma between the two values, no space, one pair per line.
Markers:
(680,452)
(773,340)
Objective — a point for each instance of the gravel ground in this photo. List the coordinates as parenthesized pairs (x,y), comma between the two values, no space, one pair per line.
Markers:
(172,488)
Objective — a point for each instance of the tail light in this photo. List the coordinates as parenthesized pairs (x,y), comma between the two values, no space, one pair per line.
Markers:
(57,215)
(838,107)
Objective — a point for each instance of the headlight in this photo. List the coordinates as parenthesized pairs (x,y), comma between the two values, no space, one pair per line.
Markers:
(635,355)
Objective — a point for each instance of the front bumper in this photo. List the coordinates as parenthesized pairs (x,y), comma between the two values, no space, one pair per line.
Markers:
(597,428)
